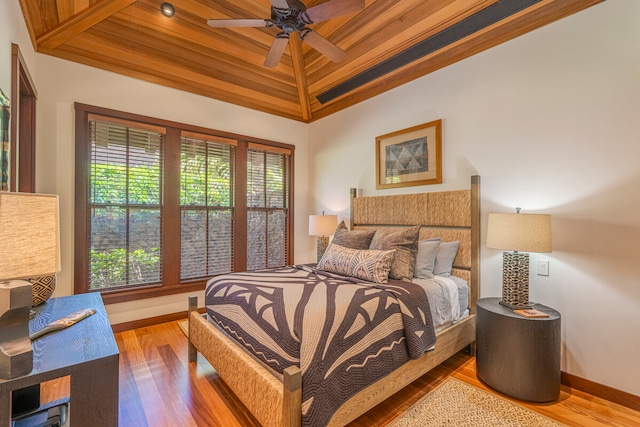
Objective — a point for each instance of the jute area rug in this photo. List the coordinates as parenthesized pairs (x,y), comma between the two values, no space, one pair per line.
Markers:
(456,403)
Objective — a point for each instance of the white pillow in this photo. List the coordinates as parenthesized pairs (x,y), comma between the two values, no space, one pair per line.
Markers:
(444,258)
(426,258)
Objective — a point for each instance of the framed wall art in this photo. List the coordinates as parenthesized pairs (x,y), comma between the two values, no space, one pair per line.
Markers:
(410,156)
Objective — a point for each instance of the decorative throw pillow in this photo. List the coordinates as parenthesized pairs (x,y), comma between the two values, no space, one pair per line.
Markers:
(426,258)
(354,239)
(444,258)
(372,266)
(405,242)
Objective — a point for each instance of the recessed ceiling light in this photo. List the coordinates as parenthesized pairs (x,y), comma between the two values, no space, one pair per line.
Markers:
(167,9)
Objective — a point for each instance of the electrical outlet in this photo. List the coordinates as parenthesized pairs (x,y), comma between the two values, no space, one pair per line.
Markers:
(542,267)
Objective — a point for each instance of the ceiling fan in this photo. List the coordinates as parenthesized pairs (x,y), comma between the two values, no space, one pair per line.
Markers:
(293,16)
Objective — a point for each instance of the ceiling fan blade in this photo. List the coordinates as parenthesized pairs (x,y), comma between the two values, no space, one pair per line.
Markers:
(227,23)
(323,46)
(280,4)
(276,51)
(333,8)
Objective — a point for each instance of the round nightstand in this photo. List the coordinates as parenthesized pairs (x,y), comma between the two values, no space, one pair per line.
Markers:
(518,356)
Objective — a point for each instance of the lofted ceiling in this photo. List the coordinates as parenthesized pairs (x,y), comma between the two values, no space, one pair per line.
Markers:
(133,38)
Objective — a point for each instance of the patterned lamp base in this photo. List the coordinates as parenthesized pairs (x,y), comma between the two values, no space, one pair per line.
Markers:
(43,288)
(323,242)
(515,280)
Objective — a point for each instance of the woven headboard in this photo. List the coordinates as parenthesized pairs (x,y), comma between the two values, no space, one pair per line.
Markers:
(450,215)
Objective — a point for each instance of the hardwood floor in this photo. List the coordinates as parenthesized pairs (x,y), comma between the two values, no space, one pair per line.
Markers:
(158,387)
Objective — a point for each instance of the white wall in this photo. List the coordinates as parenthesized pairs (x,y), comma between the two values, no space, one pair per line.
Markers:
(13,30)
(550,121)
(62,83)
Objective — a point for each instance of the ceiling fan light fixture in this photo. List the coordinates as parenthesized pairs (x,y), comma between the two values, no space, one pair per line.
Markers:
(167,9)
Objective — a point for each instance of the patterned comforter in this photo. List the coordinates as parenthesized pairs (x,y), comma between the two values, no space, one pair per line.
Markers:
(343,333)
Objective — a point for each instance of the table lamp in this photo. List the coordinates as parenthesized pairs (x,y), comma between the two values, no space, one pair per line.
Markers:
(322,226)
(29,247)
(518,233)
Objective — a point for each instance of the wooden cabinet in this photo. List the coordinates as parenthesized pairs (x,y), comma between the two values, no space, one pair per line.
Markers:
(518,356)
(86,352)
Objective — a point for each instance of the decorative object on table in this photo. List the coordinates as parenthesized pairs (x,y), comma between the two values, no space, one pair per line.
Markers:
(322,226)
(30,247)
(42,288)
(410,156)
(5,115)
(531,313)
(456,403)
(63,323)
(518,233)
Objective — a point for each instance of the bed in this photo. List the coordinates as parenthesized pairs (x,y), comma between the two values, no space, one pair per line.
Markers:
(276,399)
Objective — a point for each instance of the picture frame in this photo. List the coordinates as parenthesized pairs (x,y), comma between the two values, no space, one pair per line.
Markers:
(411,156)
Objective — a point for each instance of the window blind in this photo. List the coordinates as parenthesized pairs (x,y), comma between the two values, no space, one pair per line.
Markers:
(267,207)
(125,197)
(206,203)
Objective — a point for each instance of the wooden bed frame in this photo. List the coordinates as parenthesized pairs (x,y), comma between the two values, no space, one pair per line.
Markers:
(275,400)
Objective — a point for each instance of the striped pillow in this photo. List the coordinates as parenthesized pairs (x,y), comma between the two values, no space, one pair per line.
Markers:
(369,265)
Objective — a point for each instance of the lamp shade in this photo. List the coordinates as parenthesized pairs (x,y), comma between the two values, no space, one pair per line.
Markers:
(29,235)
(322,225)
(519,232)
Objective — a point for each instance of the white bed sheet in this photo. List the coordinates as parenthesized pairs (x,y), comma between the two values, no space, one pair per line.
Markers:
(448,299)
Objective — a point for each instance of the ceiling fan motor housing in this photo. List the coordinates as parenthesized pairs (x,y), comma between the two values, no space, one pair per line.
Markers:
(292,19)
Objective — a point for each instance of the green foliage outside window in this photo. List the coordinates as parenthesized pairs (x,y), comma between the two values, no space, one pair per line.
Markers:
(109,184)
(205,178)
(109,269)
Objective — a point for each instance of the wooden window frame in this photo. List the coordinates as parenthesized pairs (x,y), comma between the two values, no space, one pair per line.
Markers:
(171,283)
(22,152)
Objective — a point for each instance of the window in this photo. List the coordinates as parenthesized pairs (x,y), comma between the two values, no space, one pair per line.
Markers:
(206,204)
(125,196)
(266,208)
(161,206)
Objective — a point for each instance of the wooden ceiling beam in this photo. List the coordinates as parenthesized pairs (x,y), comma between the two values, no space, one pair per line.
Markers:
(300,75)
(161,49)
(81,22)
(198,87)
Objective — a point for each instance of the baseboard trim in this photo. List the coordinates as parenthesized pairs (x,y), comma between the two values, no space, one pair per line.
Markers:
(150,321)
(599,390)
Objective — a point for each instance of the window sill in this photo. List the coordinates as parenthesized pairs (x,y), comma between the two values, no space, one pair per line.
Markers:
(114,297)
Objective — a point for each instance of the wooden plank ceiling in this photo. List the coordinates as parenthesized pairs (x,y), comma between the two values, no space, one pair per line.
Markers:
(133,38)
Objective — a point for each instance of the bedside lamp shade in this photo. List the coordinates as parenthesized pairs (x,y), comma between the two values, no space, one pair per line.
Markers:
(519,233)
(322,226)
(29,247)
(29,235)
